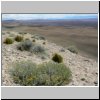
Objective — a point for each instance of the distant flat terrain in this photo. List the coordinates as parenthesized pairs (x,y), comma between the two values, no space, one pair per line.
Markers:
(83,33)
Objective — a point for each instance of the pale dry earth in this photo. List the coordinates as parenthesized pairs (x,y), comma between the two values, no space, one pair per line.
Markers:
(84,70)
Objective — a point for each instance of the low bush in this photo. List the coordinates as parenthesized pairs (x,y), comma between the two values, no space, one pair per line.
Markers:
(53,74)
(38,49)
(8,41)
(73,49)
(57,58)
(41,38)
(25,45)
(18,38)
(23,73)
(46,74)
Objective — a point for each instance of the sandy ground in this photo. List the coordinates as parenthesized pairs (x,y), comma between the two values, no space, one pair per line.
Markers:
(84,70)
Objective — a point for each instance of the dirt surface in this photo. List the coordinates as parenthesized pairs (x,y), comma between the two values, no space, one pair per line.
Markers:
(84,70)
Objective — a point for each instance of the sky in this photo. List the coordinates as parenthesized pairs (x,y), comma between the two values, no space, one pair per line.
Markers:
(47,16)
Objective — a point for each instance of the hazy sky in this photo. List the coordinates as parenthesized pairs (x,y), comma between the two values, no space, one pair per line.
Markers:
(46,16)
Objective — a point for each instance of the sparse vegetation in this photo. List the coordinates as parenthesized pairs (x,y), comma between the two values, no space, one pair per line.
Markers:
(18,38)
(11,35)
(54,74)
(38,49)
(25,45)
(23,73)
(38,37)
(8,41)
(73,49)
(46,74)
(57,58)
(41,38)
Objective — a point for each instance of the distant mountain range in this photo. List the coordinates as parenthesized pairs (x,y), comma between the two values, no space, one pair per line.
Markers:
(92,22)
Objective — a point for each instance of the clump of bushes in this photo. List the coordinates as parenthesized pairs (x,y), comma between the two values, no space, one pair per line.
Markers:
(8,41)
(73,49)
(38,49)
(54,74)
(25,45)
(18,38)
(23,73)
(28,45)
(57,58)
(46,74)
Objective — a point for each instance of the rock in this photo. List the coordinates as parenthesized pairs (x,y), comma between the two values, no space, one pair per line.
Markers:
(82,79)
(62,50)
(96,83)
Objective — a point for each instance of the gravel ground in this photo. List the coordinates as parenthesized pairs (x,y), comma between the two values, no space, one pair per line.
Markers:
(84,70)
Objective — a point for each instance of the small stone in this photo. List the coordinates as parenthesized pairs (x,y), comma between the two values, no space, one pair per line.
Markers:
(96,83)
(62,50)
(83,79)
(96,73)
(86,60)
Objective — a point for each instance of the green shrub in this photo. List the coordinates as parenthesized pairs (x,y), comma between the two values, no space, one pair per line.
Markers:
(18,38)
(73,49)
(8,41)
(25,45)
(57,58)
(46,74)
(23,73)
(53,74)
(37,49)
